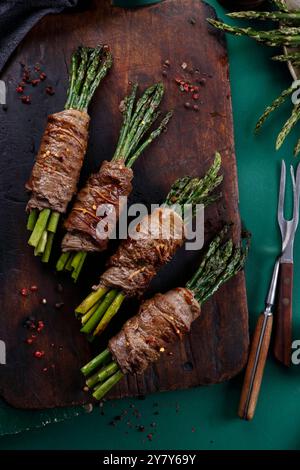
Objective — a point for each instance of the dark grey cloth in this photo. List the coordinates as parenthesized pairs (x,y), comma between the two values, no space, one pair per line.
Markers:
(17,17)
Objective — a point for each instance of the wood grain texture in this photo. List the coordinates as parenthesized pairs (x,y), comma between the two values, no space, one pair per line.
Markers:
(255,367)
(141,40)
(283,323)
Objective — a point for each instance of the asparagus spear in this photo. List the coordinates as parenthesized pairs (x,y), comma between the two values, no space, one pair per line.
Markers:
(274,38)
(184,191)
(221,261)
(290,123)
(276,103)
(88,67)
(137,121)
(293,16)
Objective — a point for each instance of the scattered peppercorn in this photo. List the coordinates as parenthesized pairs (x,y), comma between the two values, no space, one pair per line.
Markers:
(150,436)
(39,354)
(196,107)
(141,428)
(24,292)
(192,21)
(167,63)
(26,99)
(50,90)
(33,288)
(187,105)
(164,73)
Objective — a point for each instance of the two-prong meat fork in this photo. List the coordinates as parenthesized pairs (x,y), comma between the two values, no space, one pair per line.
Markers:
(283,279)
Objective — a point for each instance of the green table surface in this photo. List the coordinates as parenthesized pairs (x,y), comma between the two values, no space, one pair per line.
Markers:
(205,418)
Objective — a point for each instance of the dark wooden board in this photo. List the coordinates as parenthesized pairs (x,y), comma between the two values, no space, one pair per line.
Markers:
(141,40)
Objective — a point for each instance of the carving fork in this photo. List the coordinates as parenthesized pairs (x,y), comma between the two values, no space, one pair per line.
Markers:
(283,334)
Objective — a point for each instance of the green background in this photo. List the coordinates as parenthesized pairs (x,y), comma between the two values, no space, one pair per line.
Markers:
(205,418)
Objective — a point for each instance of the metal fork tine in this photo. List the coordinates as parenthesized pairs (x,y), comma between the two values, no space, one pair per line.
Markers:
(280,210)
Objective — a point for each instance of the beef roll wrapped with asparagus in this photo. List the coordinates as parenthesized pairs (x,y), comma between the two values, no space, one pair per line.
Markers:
(164,319)
(55,174)
(137,260)
(103,192)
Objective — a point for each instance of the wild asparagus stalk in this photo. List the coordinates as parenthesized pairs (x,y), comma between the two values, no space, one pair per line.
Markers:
(274,38)
(281,5)
(221,261)
(293,16)
(292,57)
(276,103)
(184,191)
(290,123)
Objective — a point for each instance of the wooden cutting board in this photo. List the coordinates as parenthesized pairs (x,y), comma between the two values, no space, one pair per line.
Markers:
(141,41)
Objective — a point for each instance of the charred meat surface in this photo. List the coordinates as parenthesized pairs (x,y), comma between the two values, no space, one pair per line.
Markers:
(161,321)
(139,257)
(55,174)
(102,191)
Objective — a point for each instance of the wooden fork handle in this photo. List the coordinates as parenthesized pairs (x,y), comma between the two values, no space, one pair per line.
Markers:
(283,317)
(255,367)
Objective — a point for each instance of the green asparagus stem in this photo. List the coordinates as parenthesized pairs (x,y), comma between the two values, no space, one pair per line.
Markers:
(103,375)
(78,268)
(101,391)
(53,222)
(273,38)
(90,300)
(96,362)
(127,113)
(90,312)
(32,218)
(39,250)
(110,313)
(266,15)
(292,57)
(48,247)
(154,134)
(98,314)
(297,148)
(39,228)
(290,123)
(276,103)
(281,5)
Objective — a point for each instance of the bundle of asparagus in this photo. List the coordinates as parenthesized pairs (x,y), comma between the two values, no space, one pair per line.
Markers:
(164,319)
(113,180)
(137,260)
(288,34)
(55,174)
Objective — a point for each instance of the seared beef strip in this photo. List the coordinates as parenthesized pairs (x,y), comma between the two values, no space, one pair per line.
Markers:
(103,189)
(55,174)
(139,257)
(159,323)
